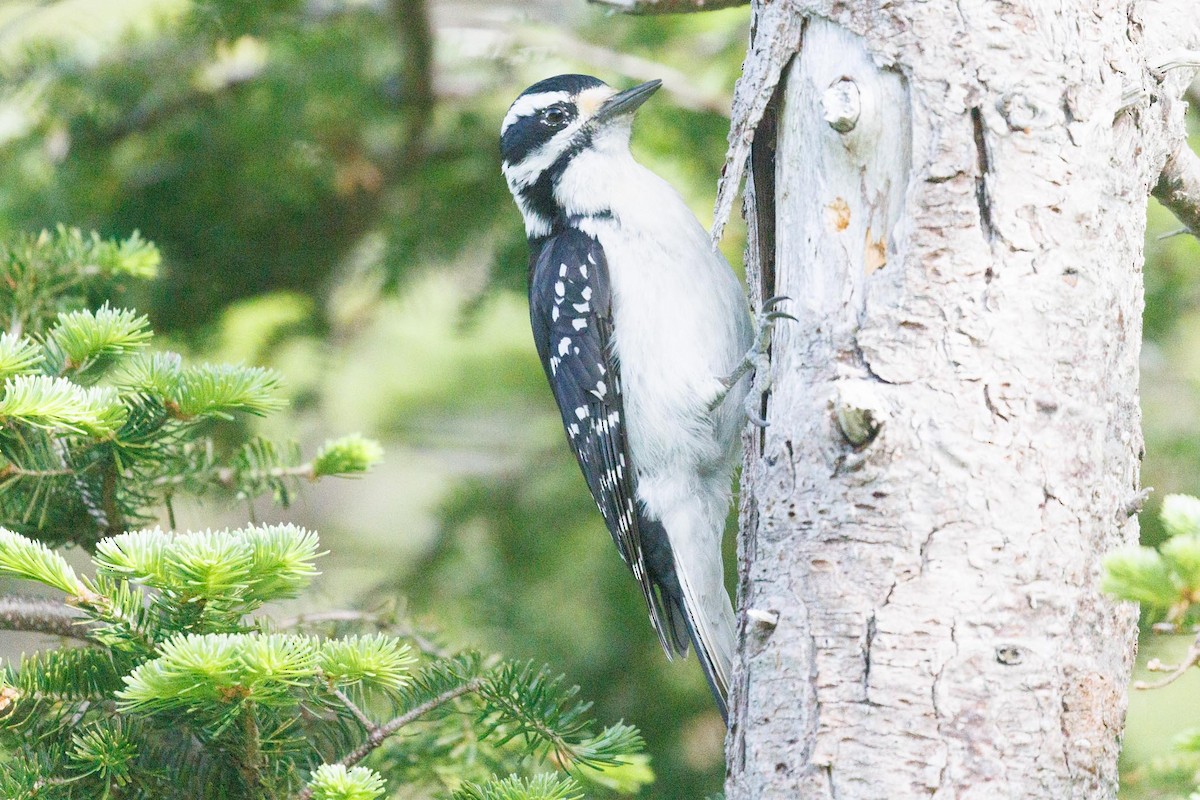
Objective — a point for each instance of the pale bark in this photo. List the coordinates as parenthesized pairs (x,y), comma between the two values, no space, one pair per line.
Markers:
(954,427)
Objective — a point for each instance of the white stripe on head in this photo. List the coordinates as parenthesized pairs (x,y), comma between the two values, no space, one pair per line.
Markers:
(527,104)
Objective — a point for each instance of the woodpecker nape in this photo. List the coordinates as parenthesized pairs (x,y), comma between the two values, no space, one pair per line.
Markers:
(646,338)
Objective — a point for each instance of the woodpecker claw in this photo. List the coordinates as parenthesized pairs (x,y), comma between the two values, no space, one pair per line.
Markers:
(754,419)
(756,360)
(771,302)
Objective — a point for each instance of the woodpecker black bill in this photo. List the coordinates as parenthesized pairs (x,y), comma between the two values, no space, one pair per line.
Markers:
(627,102)
(638,323)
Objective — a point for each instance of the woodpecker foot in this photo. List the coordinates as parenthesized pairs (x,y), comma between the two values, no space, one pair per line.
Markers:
(758,360)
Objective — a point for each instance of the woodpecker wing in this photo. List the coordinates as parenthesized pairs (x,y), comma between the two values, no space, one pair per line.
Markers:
(570,306)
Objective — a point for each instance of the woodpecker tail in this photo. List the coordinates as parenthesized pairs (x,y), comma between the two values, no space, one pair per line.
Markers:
(691,577)
(711,626)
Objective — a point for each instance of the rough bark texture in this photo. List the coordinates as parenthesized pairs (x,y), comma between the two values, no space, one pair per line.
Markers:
(954,437)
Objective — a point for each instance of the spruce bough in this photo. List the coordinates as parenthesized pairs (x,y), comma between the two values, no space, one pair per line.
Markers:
(171,682)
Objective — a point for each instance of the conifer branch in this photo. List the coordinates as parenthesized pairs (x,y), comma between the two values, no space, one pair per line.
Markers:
(381,622)
(393,726)
(250,764)
(41,616)
(380,733)
(230,478)
(337,615)
(352,707)
(227,476)
(112,519)
(47,783)
(10,471)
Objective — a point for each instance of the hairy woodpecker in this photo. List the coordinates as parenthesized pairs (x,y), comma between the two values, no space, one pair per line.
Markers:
(644,331)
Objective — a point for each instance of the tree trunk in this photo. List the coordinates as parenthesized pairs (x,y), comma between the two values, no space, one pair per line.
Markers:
(954,195)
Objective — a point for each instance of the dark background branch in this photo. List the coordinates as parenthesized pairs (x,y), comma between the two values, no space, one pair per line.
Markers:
(667,6)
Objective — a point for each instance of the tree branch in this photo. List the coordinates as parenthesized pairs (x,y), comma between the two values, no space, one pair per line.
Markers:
(682,88)
(1177,59)
(228,477)
(1178,186)
(379,733)
(40,616)
(667,6)
(410,20)
(382,622)
(1176,672)
(353,708)
(13,471)
(250,763)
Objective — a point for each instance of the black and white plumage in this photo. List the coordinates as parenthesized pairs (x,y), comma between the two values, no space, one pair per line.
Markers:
(637,321)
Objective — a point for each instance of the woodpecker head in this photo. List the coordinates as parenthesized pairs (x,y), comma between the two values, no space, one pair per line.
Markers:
(557,131)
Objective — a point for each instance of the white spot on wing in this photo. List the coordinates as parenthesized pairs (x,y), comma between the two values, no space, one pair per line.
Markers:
(579,323)
(564,345)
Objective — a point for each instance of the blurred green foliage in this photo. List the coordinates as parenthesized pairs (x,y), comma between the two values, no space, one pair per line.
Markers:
(1165,582)
(177,686)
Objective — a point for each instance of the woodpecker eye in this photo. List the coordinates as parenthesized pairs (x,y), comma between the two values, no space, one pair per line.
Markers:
(554,116)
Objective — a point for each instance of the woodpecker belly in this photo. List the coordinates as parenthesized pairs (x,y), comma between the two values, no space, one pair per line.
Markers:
(675,342)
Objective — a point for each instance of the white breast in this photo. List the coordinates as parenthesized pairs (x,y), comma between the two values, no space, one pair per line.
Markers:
(680,317)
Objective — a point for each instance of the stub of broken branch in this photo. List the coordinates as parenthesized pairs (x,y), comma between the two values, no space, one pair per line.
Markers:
(1178,186)
(778,32)
(667,6)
